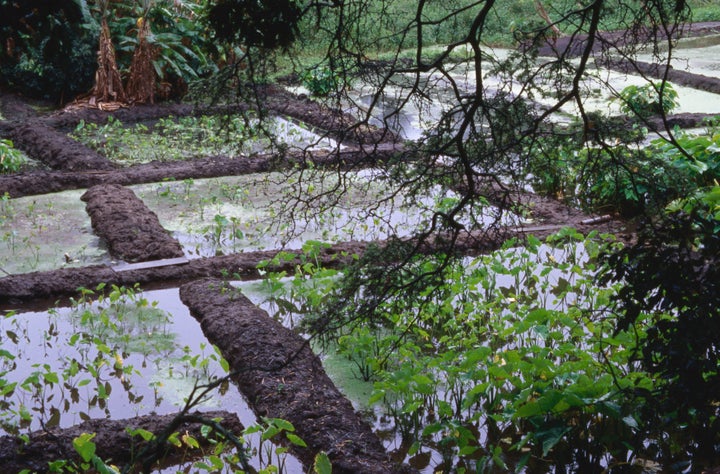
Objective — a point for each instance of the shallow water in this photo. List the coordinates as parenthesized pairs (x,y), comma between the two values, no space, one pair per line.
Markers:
(701,56)
(246,213)
(46,232)
(695,55)
(154,341)
(145,361)
(159,345)
(37,232)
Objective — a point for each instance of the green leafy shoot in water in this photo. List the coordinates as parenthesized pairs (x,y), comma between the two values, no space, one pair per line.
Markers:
(12,160)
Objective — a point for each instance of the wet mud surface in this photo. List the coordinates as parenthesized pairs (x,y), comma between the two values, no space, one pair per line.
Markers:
(42,182)
(56,149)
(573,46)
(48,286)
(341,126)
(133,232)
(112,440)
(282,378)
(676,76)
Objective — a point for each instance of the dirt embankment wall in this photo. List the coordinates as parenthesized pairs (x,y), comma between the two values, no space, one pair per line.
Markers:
(112,440)
(282,378)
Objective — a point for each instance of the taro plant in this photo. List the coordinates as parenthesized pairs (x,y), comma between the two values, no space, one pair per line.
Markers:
(224,232)
(512,361)
(320,80)
(648,100)
(508,349)
(12,160)
(625,178)
(695,157)
(93,363)
(168,139)
(272,430)
(7,209)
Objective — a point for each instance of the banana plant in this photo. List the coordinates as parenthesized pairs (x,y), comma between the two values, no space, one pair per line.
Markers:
(176,49)
(141,84)
(108,83)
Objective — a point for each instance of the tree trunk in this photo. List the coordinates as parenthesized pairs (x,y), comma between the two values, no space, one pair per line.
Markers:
(141,85)
(543,14)
(108,84)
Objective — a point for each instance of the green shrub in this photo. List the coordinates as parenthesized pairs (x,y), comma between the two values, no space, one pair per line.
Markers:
(648,100)
(697,158)
(621,178)
(321,81)
(624,177)
(671,278)
(11,159)
(495,346)
(181,41)
(53,52)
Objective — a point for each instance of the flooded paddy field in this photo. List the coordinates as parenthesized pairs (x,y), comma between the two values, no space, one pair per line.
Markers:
(133,352)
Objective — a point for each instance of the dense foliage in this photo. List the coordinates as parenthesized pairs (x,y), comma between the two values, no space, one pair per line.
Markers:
(411,323)
(673,275)
(269,24)
(12,160)
(512,361)
(49,48)
(635,175)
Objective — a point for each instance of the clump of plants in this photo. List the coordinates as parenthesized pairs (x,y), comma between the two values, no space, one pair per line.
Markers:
(12,160)
(670,288)
(648,100)
(321,81)
(509,361)
(620,178)
(625,177)
(169,138)
(107,344)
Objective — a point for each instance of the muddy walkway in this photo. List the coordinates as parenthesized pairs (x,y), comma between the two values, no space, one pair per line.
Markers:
(76,166)
(271,100)
(112,441)
(662,71)
(281,377)
(132,232)
(32,287)
(43,182)
(573,46)
(56,149)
